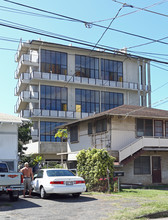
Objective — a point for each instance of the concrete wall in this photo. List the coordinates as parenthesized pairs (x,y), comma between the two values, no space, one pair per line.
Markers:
(122,132)
(130,178)
(9,143)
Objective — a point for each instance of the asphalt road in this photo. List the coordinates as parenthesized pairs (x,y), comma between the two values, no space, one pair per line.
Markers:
(61,207)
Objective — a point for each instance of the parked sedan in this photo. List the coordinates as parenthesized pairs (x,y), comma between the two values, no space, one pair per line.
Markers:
(57,181)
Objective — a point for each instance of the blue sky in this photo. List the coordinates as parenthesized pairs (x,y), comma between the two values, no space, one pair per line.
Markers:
(142,23)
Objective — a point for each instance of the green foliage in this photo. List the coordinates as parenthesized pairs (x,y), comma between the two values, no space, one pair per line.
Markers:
(33,160)
(61,133)
(92,165)
(24,135)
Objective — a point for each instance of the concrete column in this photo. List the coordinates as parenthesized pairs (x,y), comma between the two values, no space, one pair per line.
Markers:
(71,64)
(149,85)
(139,82)
(144,82)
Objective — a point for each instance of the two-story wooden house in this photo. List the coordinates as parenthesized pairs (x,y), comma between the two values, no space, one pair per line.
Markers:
(137,136)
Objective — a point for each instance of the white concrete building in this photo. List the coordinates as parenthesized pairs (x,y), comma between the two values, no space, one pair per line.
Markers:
(58,84)
(136,136)
(9,140)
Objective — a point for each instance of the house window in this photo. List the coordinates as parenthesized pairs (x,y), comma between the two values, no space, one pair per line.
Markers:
(87,100)
(112,70)
(48,131)
(158,128)
(144,127)
(74,133)
(53,98)
(86,66)
(166,128)
(55,62)
(142,165)
(90,128)
(101,125)
(111,100)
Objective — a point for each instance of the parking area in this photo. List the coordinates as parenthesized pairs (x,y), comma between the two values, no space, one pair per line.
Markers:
(61,207)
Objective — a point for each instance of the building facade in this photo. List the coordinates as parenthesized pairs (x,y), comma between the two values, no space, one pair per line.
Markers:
(136,136)
(57,84)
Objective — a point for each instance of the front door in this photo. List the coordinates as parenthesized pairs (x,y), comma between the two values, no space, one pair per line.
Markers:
(156,169)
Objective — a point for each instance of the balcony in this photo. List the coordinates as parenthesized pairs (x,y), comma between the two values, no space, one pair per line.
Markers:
(25,61)
(23,80)
(46,147)
(85,81)
(155,143)
(53,114)
(19,50)
(24,98)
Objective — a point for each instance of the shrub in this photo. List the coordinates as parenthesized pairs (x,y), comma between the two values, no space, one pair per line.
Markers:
(92,165)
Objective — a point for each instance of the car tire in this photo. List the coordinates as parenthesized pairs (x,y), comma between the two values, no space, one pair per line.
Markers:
(43,193)
(76,195)
(14,196)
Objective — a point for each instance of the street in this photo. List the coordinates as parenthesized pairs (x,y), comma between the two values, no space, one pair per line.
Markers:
(57,207)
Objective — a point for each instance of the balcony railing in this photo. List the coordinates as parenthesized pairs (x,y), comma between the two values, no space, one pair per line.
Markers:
(26,59)
(53,114)
(83,80)
(26,96)
(142,142)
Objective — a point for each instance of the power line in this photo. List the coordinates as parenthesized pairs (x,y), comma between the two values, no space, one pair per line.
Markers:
(87,23)
(143,9)
(106,29)
(157,3)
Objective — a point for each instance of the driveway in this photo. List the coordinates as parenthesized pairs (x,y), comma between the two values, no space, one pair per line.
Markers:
(85,207)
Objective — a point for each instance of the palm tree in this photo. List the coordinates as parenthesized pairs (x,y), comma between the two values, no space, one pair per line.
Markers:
(62,134)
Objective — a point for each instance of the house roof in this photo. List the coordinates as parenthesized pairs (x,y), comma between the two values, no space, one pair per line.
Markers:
(5,118)
(128,111)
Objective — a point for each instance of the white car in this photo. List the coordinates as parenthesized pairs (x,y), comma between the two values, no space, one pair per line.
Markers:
(57,181)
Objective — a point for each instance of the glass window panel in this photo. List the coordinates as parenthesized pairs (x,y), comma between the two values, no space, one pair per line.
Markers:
(48,92)
(43,56)
(63,58)
(83,95)
(96,64)
(58,92)
(83,61)
(43,69)
(58,58)
(42,104)
(92,63)
(88,62)
(53,57)
(77,95)
(48,56)
(53,105)
(77,60)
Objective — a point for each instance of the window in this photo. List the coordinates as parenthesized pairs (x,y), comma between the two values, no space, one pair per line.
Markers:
(40,174)
(144,127)
(54,98)
(90,131)
(166,128)
(55,62)
(111,100)
(87,100)
(48,131)
(142,165)
(101,125)
(112,70)
(86,66)
(73,133)
(159,128)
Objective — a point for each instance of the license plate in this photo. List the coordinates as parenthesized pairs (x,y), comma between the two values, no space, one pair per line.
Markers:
(69,182)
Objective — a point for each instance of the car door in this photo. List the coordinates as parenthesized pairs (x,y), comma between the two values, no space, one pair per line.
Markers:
(37,181)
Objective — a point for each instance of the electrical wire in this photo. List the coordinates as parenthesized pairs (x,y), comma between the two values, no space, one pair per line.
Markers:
(106,29)
(157,3)
(86,22)
(143,9)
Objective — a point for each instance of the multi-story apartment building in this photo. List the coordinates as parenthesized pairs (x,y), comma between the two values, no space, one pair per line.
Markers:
(58,84)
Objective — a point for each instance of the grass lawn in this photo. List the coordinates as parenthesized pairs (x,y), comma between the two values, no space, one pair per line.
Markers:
(133,203)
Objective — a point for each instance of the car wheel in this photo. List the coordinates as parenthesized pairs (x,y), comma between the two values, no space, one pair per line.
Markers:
(76,195)
(43,193)
(14,196)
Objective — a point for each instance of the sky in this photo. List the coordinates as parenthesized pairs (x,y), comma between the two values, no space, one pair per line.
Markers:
(132,18)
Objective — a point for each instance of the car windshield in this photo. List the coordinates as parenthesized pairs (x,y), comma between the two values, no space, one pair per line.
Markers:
(59,173)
